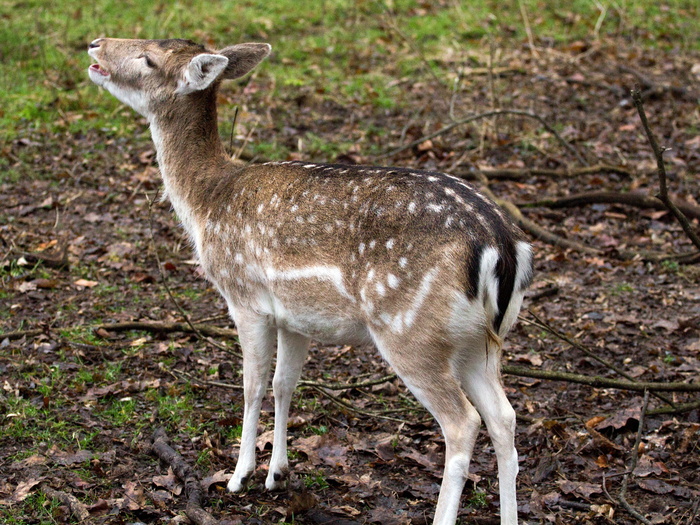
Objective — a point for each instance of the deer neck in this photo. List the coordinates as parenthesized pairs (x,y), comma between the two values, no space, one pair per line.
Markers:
(190,156)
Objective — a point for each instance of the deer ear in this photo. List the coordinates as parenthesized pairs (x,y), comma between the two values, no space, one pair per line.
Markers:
(242,58)
(201,72)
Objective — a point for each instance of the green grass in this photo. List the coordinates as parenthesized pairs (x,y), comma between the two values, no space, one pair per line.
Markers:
(343,50)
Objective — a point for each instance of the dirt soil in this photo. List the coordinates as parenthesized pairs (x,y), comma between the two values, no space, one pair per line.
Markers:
(86,196)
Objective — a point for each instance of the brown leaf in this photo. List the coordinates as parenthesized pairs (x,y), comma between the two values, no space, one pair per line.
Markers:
(218,477)
(324,449)
(655,485)
(65,458)
(300,502)
(31,461)
(22,491)
(620,419)
(134,497)
(579,488)
(169,482)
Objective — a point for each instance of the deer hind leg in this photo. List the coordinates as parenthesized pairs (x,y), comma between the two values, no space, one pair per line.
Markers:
(482,384)
(257,340)
(435,385)
(292,350)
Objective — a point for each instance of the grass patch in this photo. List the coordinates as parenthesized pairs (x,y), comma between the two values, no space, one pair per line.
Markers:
(345,50)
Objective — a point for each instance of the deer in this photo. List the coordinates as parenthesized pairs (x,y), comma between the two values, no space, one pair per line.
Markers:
(419,264)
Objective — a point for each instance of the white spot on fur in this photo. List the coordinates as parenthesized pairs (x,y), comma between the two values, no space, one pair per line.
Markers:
(436,208)
(403,262)
(390,244)
(372,244)
(380,288)
(411,207)
(392,281)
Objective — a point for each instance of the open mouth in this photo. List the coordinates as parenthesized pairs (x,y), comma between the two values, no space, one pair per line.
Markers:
(99,70)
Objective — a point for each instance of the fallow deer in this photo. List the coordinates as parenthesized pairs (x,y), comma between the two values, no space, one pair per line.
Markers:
(419,264)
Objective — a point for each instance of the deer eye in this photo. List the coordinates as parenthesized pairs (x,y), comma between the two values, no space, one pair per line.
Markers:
(148,60)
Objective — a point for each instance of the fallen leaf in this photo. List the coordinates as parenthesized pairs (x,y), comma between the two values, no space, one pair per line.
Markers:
(169,482)
(134,497)
(655,485)
(218,477)
(579,488)
(22,491)
(85,283)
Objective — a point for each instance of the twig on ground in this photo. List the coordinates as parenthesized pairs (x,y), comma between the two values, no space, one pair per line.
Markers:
(351,408)
(633,465)
(661,172)
(77,509)
(190,477)
(19,334)
(487,114)
(637,200)
(601,382)
(160,327)
(528,29)
(654,88)
(540,323)
(57,262)
(521,174)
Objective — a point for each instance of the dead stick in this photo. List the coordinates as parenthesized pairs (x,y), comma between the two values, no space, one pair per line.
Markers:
(520,174)
(19,334)
(601,382)
(540,323)
(637,200)
(76,508)
(661,172)
(487,114)
(193,487)
(633,464)
(163,327)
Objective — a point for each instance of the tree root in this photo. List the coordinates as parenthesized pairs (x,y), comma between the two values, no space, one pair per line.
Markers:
(190,477)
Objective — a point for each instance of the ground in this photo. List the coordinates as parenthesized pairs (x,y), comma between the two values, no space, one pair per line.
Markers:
(79,402)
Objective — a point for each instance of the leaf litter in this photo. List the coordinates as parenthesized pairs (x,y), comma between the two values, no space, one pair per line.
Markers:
(81,403)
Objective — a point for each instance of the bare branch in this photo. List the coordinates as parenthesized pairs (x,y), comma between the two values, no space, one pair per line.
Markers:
(487,114)
(661,171)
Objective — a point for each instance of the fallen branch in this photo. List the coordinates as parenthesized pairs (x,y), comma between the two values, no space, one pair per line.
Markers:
(19,334)
(525,173)
(601,382)
(652,88)
(540,323)
(190,477)
(164,328)
(622,496)
(637,200)
(661,172)
(57,262)
(487,114)
(77,509)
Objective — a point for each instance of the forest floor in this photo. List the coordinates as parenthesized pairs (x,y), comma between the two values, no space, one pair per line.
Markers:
(80,400)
